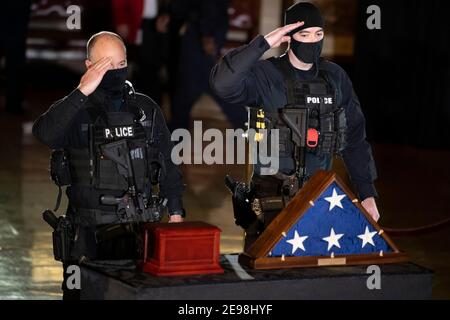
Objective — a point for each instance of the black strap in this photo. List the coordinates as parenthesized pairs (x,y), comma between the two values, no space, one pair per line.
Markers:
(282,64)
(58,199)
(152,134)
(329,80)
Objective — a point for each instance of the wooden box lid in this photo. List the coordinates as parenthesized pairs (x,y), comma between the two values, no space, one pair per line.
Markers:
(186,248)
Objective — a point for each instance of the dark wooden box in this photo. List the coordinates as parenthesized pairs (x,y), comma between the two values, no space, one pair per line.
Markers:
(172,249)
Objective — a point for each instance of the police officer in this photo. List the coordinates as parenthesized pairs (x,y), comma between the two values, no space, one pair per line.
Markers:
(118,152)
(297,81)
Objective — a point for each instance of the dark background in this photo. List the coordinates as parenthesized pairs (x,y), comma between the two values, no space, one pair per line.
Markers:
(402,73)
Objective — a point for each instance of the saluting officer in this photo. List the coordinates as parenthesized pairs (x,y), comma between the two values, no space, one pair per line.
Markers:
(118,150)
(277,91)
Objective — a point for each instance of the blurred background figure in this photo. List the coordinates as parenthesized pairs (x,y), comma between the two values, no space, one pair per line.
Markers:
(203,36)
(14,19)
(144,25)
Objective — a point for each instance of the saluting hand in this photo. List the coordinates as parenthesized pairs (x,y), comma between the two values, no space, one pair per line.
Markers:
(94,75)
(278,36)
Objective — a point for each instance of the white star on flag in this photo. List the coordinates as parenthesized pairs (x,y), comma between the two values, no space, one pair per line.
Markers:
(335,200)
(333,239)
(367,237)
(297,242)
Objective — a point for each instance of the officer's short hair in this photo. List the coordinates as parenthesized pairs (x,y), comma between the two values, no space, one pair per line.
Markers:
(91,42)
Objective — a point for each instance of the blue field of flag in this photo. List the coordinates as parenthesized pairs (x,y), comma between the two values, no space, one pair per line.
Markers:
(333,226)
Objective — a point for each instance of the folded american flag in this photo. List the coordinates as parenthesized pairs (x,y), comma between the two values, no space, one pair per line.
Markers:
(333,225)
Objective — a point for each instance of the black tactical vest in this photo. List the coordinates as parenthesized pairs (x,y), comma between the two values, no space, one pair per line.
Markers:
(92,167)
(326,121)
(89,167)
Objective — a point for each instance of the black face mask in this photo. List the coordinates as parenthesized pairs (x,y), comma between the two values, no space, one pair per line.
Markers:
(113,81)
(307,52)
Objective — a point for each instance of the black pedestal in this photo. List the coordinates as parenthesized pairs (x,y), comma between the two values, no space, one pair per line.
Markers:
(120,280)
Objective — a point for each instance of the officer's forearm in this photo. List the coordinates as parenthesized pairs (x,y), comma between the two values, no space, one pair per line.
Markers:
(366,190)
(175,205)
(361,168)
(51,127)
(172,187)
(229,73)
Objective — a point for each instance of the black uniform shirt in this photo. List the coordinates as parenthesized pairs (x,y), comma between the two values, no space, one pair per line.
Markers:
(62,127)
(241,78)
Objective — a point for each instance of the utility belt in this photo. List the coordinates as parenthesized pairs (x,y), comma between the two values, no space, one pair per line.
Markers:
(268,204)
(95,217)
(263,199)
(132,208)
(273,193)
(64,227)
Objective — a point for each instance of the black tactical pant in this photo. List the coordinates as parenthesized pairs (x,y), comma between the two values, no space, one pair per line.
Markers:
(263,187)
(257,227)
(120,247)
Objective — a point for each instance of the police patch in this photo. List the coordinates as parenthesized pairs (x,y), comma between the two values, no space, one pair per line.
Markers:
(119,132)
(310,99)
